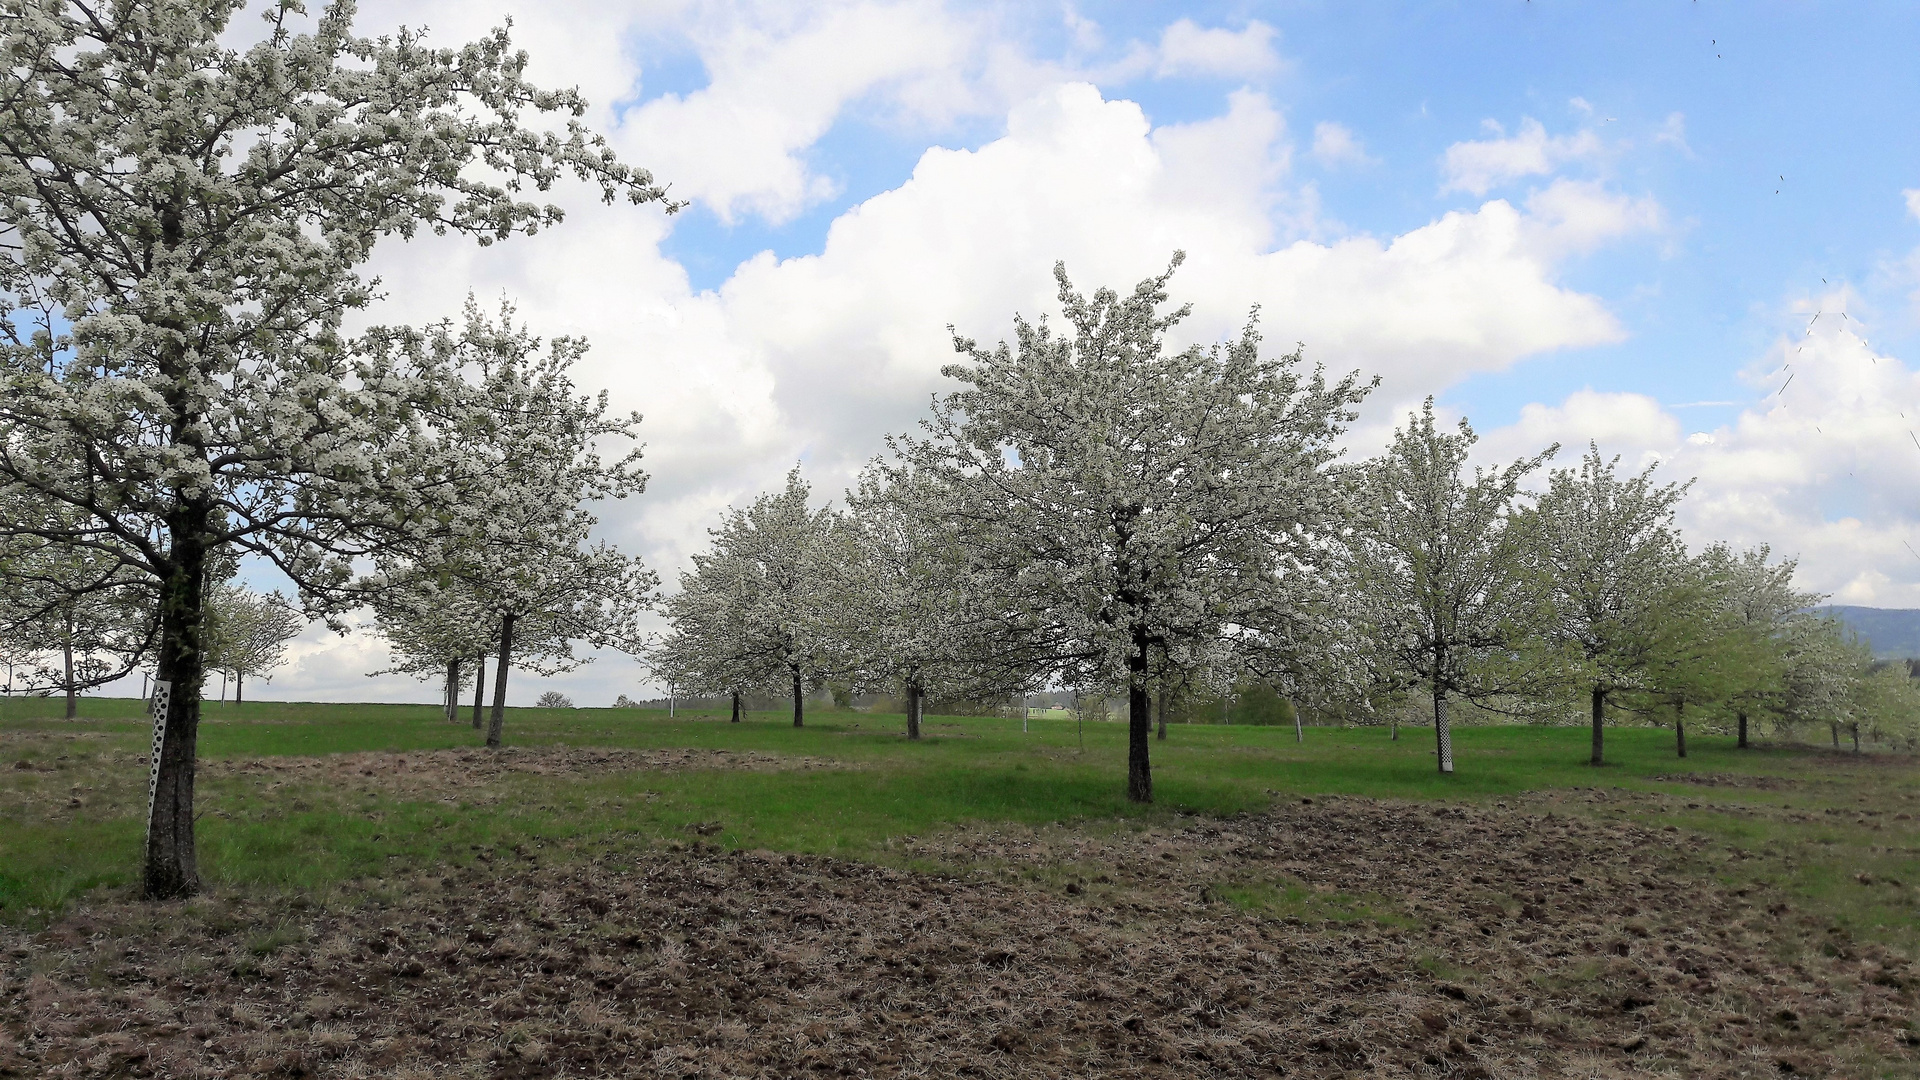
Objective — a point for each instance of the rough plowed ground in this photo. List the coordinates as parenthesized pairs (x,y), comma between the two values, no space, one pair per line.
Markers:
(1328,938)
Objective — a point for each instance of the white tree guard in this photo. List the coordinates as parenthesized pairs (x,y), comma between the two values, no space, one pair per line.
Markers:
(157,708)
(1445,732)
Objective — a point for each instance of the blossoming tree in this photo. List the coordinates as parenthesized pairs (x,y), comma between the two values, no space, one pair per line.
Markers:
(180,233)
(1138,499)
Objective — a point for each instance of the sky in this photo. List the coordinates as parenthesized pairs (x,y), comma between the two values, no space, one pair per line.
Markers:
(1686,231)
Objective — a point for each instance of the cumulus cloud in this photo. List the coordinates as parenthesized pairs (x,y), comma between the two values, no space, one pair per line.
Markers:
(1820,463)
(1633,426)
(1335,145)
(780,76)
(1478,166)
(1090,181)
(1186,48)
(777,82)
(1913,202)
(1572,217)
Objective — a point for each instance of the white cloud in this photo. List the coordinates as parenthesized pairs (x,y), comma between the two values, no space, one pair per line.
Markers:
(1631,425)
(1827,471)
(1674,133)
(1335,145)
(1571,217)
(1187,48)
(1087,180)
(1913,202)
(1479,166)
(779,77)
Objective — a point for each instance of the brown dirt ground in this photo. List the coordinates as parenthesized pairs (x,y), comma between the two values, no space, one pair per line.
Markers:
(453,774)
(1416,940)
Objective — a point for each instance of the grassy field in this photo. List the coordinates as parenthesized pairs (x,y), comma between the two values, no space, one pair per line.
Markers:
(71,821)
(617,893)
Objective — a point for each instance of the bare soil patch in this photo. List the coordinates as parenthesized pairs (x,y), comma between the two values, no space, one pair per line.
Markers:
(457,774)
(1731,780)
(1328,938)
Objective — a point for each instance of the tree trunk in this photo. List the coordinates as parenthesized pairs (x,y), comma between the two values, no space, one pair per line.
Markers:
(799,701)
(1836,735)
(479,688)
(1393,727)
(1299,725)
(237,677)
(916,699)
(1161,705)
(499,719)
(1442,731)
(1139,728)
(453,691)
(1743,730)
(1680,727)
(1599,714)
(1854,729)
(73,695)
(172,865)
(736,708)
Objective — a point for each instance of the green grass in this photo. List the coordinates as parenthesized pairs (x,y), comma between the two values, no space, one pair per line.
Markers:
(1286,898)
(968,770)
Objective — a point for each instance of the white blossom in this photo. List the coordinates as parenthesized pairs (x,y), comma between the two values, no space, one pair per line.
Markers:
(1137,501)
(750,615)
(516,550)
(1606,550)
(1441,575)
(247,632)
(180,226)
(909,611)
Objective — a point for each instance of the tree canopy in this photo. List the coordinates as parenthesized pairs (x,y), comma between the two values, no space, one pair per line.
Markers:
(179,241)
(1141,501)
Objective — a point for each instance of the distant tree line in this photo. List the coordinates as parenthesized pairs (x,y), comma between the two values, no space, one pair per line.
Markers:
(1097,511)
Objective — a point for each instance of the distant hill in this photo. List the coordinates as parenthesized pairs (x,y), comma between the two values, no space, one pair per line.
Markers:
(1893,632)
